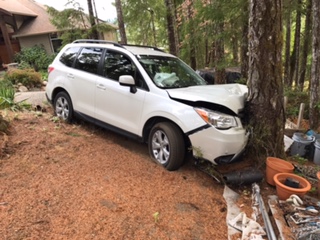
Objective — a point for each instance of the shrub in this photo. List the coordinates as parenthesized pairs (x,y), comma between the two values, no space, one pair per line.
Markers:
(36,57)
(6,94)
(295,98)
(27,77)
(7,101)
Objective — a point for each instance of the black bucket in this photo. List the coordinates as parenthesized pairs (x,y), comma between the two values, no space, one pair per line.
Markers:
(243,177)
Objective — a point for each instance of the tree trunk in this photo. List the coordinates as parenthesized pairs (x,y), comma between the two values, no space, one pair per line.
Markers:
(171,28)
(220,73)
(306,45)
(193,59)
(244,46)
(315,69)
(294,61)
(122,30)
(297,37)
(266,106)
(235,50)
(287,79)
(92,21)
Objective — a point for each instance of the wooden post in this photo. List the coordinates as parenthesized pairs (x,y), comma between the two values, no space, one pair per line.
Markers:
(300,117)
(6,38)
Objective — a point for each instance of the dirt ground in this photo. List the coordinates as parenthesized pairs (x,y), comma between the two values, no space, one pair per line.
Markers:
(77,181)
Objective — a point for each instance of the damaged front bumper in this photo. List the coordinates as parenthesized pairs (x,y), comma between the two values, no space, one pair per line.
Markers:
(219,146)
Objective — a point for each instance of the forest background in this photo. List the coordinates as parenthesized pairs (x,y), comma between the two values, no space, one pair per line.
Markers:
(275,45)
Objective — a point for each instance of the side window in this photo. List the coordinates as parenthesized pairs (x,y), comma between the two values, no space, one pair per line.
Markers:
(67,58)
(88,59)
(117,64)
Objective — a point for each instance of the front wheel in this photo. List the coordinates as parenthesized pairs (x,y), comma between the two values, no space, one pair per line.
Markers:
(63,106)
(166,145)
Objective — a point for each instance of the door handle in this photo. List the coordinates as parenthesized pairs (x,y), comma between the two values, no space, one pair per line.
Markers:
(101,86)
(70,76)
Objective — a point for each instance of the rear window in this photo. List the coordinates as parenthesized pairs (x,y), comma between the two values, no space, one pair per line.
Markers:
(88,59)
(68,57)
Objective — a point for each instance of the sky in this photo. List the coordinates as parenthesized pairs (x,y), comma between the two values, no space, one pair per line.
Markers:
(106,11)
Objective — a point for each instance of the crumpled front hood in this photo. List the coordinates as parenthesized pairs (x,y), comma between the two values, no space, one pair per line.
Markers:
(232,96)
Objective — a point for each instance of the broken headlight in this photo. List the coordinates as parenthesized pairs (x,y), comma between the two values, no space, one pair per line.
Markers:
(217,119)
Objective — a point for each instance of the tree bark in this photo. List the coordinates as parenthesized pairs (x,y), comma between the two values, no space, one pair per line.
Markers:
(122,30)
(315,69)
(235,50)
(266,106)
(220,73)
(245,45)
(294,61)
(306,45)
(193,59)
(171,28)
(287,79)
(297,40)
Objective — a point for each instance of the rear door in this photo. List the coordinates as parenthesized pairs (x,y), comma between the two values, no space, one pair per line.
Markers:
(82,79)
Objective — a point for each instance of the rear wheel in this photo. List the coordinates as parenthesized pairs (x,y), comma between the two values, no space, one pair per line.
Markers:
(63,106)
(166,145)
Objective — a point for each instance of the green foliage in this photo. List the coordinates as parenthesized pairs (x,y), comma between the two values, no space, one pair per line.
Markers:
(44,75)
(35,57)
(6,94)
(27,77)
(139,17)
(242,81)
(300,160)
(75,20)
(295,98)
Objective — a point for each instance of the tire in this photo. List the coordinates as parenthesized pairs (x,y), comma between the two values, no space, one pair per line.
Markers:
(63,107)
(166,145)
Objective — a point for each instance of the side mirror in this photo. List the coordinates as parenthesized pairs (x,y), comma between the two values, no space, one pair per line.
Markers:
(128,80)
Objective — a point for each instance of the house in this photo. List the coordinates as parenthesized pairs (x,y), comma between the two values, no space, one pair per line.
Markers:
(25,23)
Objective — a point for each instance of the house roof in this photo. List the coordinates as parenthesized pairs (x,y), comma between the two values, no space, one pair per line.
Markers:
(36,19)
(15,7)
(38,25)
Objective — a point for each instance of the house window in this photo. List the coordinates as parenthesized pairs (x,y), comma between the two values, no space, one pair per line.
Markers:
(56,42)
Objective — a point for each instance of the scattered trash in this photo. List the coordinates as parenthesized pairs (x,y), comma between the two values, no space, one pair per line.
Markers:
(247,226)
(301,216)
(302,144)
(258,201)
(295,200)
(287,142)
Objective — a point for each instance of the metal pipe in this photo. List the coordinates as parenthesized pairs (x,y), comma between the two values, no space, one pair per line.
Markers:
(269,229)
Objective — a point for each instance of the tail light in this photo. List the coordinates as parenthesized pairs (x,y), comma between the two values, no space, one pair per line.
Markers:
(50,69)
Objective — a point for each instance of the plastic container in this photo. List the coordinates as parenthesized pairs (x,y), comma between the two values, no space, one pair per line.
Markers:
(284,192)
(276,165)
(316,155)
(302,144)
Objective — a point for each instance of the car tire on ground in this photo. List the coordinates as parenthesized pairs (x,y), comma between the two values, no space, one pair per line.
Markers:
(166,145)
(63,106)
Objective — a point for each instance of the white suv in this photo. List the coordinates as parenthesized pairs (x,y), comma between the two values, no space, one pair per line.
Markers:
(152,96)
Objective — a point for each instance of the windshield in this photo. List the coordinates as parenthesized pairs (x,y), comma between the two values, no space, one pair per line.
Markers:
(168,72)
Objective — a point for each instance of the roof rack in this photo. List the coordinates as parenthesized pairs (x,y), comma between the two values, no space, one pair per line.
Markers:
(97,41)
(144,46)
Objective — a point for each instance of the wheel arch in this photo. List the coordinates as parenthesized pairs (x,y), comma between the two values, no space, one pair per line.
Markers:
(56,91)
(154,120)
